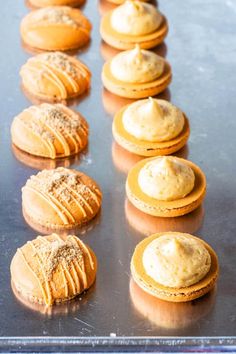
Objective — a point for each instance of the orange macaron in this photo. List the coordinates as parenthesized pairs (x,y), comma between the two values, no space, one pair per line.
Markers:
(55,28)
(134,22)
(175,266)
(53,269)
(60,199)
(55,77)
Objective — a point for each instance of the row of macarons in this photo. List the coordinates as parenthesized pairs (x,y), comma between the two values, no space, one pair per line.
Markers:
(171,266)
(54,268)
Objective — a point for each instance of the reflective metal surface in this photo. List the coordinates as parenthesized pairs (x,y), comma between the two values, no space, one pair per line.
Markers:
(201,48)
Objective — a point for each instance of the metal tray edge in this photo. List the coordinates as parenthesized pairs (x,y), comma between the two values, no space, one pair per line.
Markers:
(118,344)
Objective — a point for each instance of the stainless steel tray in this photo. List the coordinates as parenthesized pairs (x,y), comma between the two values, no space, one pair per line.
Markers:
(201,47)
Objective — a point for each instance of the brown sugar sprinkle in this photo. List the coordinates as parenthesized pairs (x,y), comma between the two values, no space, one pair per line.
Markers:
(38,129)
(55,117)
(61,61)
(58,252)
(62,184)
(56,16)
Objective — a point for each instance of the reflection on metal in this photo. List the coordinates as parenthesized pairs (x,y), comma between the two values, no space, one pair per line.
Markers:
(199,87)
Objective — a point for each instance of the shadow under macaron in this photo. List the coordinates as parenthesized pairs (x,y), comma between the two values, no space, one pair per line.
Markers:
(42,163)
(147,225)
(170,315)
(80,230)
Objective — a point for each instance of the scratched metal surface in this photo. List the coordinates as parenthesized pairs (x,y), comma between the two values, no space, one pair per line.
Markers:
(201,47)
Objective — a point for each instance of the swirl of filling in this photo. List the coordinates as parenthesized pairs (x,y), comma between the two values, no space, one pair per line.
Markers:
(176,260)
(135,18)
(166,178)
(153,120)
(137,66)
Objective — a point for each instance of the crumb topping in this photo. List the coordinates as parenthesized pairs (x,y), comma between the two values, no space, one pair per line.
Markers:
(62,184)
(58,252)
(56,16)
(55,117)
(62,71)
(61,61)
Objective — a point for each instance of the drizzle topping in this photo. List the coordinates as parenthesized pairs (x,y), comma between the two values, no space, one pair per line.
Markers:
(58,252)
(65,191)
(61,61)
(56,15)
(61,130)
(58,117)
(60,182)
(55,75)
(61,267)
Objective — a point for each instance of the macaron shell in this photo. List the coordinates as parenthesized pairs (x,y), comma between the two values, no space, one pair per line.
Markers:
(45,3)
(62,308)
(43,81)
(38,98)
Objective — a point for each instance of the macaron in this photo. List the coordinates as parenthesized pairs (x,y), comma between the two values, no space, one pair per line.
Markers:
(174,266)
(151,127)
(55,28)
(55,77)
(136,74)
(50,131)
(134,22)
(52,269)
(60,199)
(166,186)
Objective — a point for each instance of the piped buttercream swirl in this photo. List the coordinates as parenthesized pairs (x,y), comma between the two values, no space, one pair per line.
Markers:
(166,178)
(135,18)
(153,120)
(137,66)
